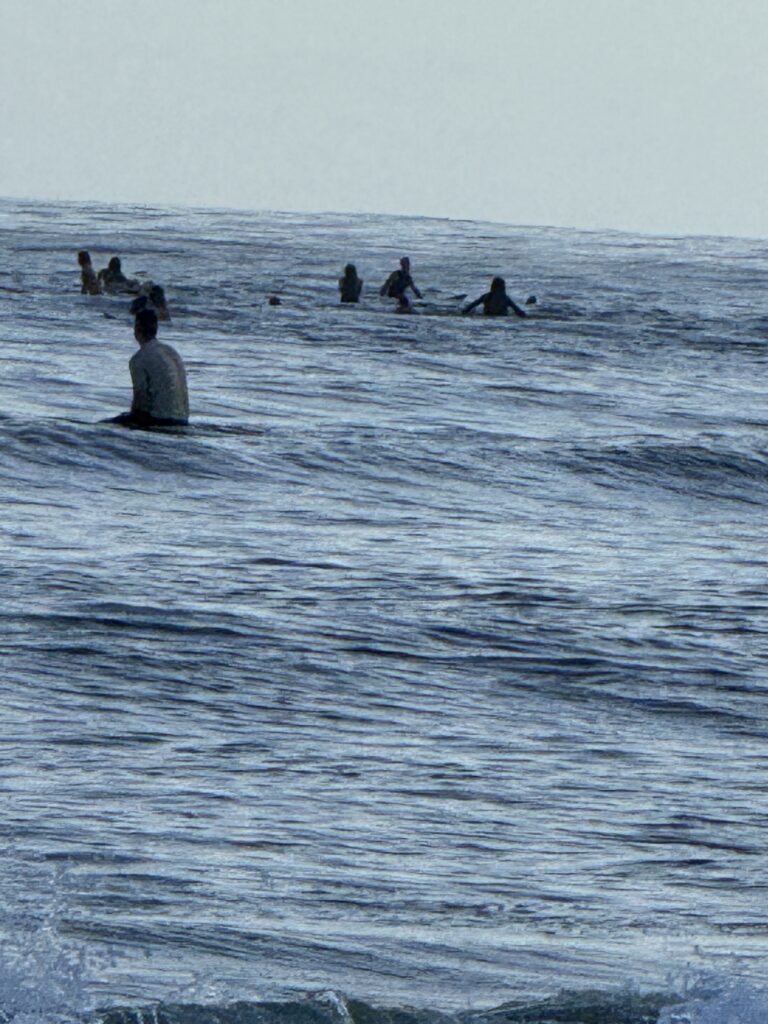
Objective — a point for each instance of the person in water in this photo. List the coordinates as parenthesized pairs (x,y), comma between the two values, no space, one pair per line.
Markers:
(496,302)
(350,285)
(113,279)
(160,397)
(89,283)
(398,282)
(152,297)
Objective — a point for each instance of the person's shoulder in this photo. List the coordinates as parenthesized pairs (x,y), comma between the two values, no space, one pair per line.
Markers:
(169,350)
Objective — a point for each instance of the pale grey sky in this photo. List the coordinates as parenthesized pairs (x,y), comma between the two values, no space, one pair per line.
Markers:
(639,114)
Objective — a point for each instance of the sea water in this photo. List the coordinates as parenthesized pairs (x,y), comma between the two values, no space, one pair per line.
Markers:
(426,669)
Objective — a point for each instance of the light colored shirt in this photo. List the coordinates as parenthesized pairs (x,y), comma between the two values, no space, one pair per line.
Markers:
(159,382)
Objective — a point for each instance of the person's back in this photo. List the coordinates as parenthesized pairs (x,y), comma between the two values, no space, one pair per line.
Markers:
(89,283)
(159,384)
(159,379)
(398,283)
(112,279)
(496,302)
(350,285)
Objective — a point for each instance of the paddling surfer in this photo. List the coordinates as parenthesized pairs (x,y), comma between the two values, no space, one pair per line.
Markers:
(496,302)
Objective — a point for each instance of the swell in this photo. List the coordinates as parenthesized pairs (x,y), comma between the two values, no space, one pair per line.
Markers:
(586,1007)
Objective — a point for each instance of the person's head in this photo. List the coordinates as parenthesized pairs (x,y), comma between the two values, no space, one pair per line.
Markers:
(145,326)
(498,285)
(274,300)
(405,263)
(350,271)
(157,295)
(114,264)
(84,258)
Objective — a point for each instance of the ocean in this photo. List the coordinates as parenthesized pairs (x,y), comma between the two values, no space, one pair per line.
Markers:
(422,678)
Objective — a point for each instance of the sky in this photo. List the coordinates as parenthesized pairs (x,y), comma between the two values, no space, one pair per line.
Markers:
(643,115)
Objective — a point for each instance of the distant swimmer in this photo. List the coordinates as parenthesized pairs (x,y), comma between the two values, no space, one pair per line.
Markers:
(89,282)
(113,279)
(160,397)
(275,300)
(398,282)
(496,302)
(350,285)
(152,297)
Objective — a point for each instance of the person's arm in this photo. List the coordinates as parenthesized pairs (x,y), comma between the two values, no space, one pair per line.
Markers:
(512,305)
(140,382)
(385,287)
(472,305)
(411,285)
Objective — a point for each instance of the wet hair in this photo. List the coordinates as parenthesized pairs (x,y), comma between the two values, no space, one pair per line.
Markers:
(146,322)
(350,270)
(157,295)
(114,263)
(83,257)
(274,300)
(498,284)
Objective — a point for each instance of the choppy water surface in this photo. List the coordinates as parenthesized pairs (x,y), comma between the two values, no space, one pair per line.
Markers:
(427,666)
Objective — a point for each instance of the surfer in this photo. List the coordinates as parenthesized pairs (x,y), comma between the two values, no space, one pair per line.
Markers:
(398,283)
(113,279)
(160,397)
(496,302)
(152,297)
(89,283)
(350,285)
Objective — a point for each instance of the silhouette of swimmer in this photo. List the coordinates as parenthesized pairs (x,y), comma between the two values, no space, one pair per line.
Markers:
(350,285)
(114,280)
(275,300)
(496,302)
(152,297)
(398,283)
(160,397)
(89,282)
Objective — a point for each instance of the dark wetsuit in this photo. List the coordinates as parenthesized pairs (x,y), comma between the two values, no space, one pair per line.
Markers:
(495,304)
(115,282)
(350,288)
(89,283)
(397,284)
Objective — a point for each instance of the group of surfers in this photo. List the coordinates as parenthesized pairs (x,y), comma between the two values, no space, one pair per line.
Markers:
(111,280)
(160,396)
(158,376)
(495,302)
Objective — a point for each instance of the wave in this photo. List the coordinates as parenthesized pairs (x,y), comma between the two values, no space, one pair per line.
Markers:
(688,469)
(736,1004)
(568,1007)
